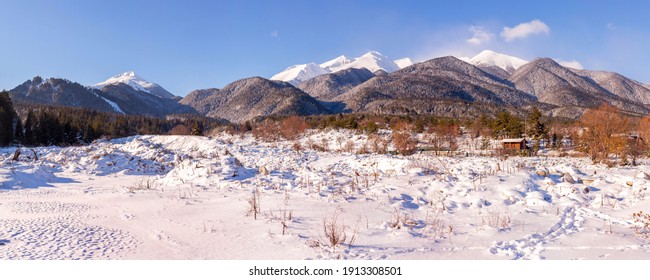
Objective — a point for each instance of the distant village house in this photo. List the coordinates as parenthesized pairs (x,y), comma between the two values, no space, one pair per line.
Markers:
(514,144)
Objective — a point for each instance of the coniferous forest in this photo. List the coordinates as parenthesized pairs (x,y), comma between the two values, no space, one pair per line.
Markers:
(39,125)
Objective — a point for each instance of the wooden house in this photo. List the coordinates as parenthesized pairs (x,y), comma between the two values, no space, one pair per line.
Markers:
(514,144)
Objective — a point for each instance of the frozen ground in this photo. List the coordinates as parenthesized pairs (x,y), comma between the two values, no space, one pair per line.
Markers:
(172,197)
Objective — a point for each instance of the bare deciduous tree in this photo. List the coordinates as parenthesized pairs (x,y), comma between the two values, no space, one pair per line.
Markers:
(604,133)
(403,138)
(268,130)
(292,127)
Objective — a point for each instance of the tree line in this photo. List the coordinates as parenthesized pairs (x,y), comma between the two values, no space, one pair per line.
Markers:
(37,125)
(604,134)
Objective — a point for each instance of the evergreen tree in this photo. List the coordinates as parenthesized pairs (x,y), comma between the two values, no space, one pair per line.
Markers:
(41,136)
(29,138)
(69,134)
(537,129)
(508,125)
(5,128)
(19,135)
(55,131)
(555,142)
(89,134)
(7,116)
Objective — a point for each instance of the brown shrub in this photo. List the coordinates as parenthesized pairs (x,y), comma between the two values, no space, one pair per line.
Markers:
(404,142)
(378,144)
(268,130)
(180,129)
(349,146)
(605,132)
(292,127)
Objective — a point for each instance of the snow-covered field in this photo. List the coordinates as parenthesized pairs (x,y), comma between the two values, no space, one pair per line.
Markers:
(182,197)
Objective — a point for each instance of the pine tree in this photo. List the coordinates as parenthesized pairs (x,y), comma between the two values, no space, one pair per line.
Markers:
(508,125)
(537,129)
(41,131)
(89,134)
(5,129)
(29,130)
(7,116)
(19,135)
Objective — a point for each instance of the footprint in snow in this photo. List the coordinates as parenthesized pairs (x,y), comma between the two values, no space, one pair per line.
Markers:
(407,202)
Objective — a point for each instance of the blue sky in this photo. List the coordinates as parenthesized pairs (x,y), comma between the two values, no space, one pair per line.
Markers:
(187,45)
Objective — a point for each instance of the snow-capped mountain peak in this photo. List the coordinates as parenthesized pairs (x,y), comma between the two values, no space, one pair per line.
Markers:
(129,78)
(337,62)
(136,82)
(372,61)
(404,62)
(492,58)
(297,74)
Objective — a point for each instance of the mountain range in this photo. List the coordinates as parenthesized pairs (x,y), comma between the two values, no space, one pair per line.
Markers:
(373,61)
(124,94)
(249,98)
(372,83)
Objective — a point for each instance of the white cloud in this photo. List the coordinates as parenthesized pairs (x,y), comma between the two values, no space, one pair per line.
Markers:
(611,26)
(524,30)
(480,35)
(274,34)
(570,63)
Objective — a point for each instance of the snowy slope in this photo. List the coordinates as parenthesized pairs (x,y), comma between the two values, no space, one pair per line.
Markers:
(404,62)
(113,104)
(185,197)
(136,82)
(334,63)
(297,74)
(372,61)
(130,78)
(489,58)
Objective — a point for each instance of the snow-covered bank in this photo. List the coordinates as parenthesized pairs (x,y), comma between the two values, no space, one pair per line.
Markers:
(185,197)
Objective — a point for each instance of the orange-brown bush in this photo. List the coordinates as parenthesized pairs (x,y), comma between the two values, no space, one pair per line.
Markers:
(403,137)
(378,144)
(605,132)
(268,130)
(404,142)
(296,146)
(180,129)
(642,143)
(292,127)
(644,128)
(641,224)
